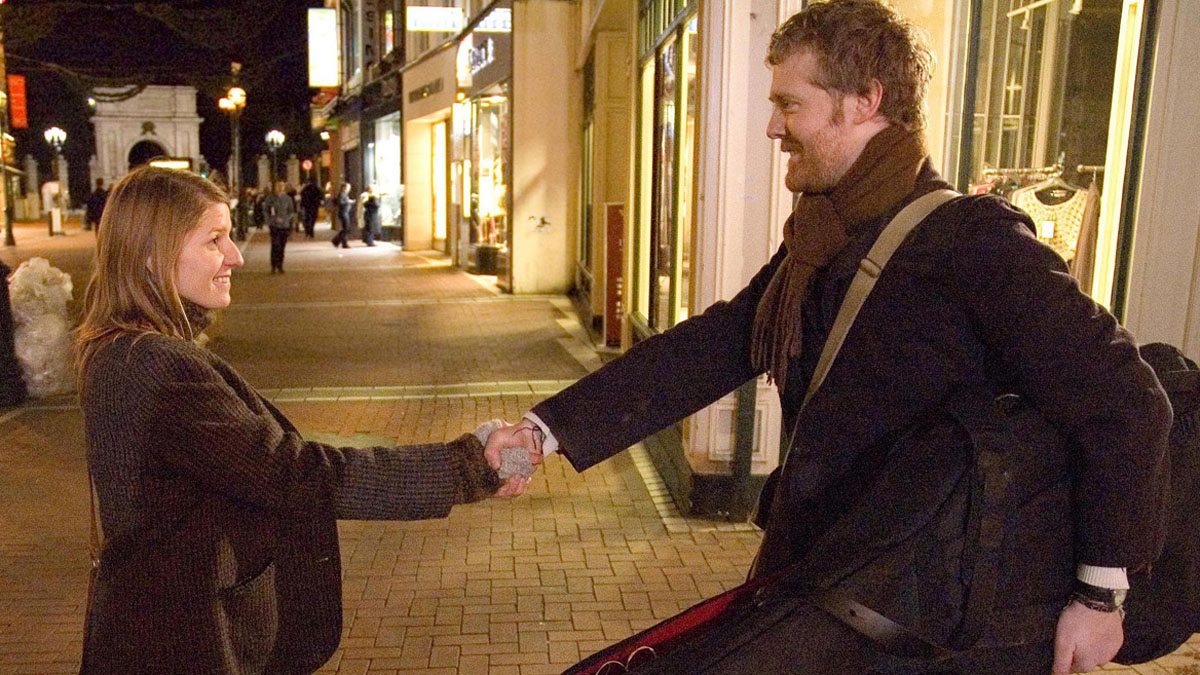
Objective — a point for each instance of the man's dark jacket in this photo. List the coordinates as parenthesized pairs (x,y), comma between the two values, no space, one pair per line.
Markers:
(971,302)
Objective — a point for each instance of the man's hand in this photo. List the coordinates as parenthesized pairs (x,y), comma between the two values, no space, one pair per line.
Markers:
(1085,639)
(513,436)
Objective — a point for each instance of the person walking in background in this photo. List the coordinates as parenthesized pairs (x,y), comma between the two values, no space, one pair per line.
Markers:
(310,205)
(245,212)
(344,206)
(221,552)
(371,226)
(259,196)
(95,205)
(280,211)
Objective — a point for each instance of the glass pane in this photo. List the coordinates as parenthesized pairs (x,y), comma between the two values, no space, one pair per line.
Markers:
(644,197)
(1044,89)
(687,163)
(663,212)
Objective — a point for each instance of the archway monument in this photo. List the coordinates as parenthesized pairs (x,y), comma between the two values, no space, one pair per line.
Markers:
(159,115)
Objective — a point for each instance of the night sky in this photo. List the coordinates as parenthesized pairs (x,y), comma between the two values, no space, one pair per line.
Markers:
(65,47)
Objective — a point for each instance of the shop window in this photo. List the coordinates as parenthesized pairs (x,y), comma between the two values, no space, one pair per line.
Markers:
(666,176)
(641,296)
(584,260)
(387,159)
(1051,105)
(351,57)
(489,166)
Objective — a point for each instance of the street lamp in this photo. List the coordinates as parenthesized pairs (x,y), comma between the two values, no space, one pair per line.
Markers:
(232,103)
(56,137)
(275,140)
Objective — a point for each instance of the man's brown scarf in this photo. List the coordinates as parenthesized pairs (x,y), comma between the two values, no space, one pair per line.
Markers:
(883,175)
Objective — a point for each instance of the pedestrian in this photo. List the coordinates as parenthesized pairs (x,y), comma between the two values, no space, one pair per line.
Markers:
(280,210)
(245,213)
(221,551)
(970,307)
(310,205)
(260,198)
(95,205)
(344,205)
(371,225)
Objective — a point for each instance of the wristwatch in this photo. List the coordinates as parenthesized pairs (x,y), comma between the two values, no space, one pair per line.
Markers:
(1099,598)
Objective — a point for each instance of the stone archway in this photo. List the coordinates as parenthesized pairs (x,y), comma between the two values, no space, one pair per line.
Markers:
(144,151)
(159,116)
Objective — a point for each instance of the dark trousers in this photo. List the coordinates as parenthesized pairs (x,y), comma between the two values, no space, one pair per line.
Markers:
(342,238)
(310,221)
(279,239)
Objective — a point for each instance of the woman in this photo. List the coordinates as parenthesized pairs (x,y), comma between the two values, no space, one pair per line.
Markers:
(222,550)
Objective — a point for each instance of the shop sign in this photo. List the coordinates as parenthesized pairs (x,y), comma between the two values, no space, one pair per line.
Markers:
(425,91)
(434,19)
(499,20)
(483,60)
(16,101)
(370,31)
(324,63)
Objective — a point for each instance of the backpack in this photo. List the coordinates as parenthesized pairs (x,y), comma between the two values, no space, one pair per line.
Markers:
(1163,609)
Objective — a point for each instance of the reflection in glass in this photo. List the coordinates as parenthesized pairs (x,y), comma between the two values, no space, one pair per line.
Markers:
(664,183)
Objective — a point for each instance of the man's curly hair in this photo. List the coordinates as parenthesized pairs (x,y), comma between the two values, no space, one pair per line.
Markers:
(856,41)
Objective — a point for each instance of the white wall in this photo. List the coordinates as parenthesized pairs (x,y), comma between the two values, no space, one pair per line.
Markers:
(545,146)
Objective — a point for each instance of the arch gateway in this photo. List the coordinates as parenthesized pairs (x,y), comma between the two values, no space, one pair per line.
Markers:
(160,121)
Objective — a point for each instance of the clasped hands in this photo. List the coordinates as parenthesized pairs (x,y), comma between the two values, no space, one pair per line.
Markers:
(515,452)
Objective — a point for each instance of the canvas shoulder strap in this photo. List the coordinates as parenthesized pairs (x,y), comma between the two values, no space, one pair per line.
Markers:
(868,273)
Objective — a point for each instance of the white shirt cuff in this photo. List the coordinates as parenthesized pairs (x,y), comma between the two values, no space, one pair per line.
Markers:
(549,442)
(1104,577)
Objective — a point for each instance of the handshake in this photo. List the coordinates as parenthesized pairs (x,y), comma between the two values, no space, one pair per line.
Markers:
(513,450)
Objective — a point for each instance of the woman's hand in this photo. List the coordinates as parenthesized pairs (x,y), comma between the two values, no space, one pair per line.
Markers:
(519,436)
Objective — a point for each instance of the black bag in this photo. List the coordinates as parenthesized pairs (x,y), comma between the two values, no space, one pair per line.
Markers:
(973,550)
(1163,610)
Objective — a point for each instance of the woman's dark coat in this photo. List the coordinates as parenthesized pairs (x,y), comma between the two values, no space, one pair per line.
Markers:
(221,552)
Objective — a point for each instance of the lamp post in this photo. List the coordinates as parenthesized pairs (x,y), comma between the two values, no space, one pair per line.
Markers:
(275,140)
(56,137)
(232,103)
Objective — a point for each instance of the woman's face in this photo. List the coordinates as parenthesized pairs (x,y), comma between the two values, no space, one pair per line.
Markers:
(203,272)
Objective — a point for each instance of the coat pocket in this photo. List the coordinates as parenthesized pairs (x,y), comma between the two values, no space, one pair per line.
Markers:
(251,618)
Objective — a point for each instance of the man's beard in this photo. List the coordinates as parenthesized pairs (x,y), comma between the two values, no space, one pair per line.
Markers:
(821,161)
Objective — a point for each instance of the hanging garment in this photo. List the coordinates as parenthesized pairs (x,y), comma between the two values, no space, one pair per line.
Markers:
(1059,224)
(1085,251)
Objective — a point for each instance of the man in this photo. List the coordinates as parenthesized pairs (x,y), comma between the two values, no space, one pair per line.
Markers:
(310,203)
(95,205)
(972,302)
(280,211)
(344,205)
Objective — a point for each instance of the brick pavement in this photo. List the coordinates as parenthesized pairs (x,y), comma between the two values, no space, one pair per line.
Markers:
(376,345)
(370,346)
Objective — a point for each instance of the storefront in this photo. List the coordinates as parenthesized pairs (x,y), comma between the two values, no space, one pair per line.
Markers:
(384,158)
(483,172)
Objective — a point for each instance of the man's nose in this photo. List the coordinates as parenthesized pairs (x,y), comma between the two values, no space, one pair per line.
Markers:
(775,126)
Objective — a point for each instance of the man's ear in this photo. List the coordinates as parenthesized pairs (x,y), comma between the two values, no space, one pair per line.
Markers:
(865,105)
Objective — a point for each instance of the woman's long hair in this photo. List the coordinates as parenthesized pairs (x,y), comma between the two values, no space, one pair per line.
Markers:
(141,234)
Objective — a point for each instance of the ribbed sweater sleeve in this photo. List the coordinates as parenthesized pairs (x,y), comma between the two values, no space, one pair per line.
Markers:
(198,424)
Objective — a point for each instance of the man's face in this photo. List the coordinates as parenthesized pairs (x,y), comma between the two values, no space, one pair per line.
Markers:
(811,124)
